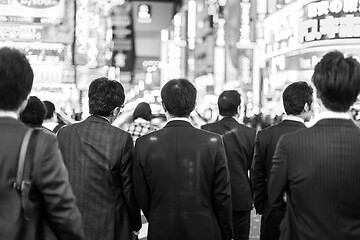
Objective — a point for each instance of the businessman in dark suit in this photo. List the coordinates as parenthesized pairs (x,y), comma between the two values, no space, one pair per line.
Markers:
(239,143)
(181,175)
(319,167)
(99,158)
(297,101)
(51,197)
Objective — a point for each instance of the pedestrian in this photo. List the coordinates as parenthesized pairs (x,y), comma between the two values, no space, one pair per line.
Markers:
(181,175)
(99,158)
(319,167)
(297,100)
(239,144)
(34,113)
(51,120)
(45,197)
(141,124)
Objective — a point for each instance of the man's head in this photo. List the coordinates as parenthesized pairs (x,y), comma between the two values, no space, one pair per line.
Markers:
(50,108)
(297,99)
(105,97)
(143,111)
(34,113)
(337,81)
(178,97)
(16,79)
(229,103)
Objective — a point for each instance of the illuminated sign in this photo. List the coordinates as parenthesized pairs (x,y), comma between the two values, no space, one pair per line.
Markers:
(144,13)
(245,21)
(33,11)
(330,20)
(39,3)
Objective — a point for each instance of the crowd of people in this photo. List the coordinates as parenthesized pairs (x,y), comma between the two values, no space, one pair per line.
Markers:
(91,179)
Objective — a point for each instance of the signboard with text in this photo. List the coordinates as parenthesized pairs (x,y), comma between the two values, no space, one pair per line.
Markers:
(32,11)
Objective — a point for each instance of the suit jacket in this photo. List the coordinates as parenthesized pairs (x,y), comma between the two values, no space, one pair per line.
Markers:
(99,158)
(239,143)
(51,194)
(265,145)
(182,183)
(319,168)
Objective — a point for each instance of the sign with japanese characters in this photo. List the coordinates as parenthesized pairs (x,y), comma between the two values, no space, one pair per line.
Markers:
(32,11)
(330,19)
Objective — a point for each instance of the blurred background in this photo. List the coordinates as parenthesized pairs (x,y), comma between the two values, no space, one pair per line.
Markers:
(254,46)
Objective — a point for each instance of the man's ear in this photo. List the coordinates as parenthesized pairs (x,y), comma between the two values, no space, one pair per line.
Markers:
(23,105)
(307,107)
(116,111)
(163,106)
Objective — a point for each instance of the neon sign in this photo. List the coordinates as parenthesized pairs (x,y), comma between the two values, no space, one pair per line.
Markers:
(330,20)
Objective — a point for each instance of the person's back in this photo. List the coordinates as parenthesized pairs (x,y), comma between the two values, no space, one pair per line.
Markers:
(51,198)
(297,101)
(99,160)
(239,142)
(181,175)
(319,167)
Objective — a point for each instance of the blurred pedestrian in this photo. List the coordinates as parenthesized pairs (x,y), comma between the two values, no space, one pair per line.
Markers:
(181,175)
(51,120)
(297,100)
(34,113)
(99,158)
(319,167)
(239,144)
(141,124)
(46,198)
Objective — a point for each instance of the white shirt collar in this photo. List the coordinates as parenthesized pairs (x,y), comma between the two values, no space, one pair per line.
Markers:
(294,118)
(179,119)
(333,115)
(8,114)
(140,120)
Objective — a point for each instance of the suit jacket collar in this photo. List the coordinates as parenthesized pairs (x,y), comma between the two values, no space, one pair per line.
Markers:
(178,123)
(336,122)
(228,119)
(10,120)
(98,119)
(292,123)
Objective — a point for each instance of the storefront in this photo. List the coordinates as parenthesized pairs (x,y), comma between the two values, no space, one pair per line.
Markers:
(298,35)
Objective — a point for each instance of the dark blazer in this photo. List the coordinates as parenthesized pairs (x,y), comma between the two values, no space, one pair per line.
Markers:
(265,145)
(99,158)
(182,183)
(239,144)
(319,169)
(51,194)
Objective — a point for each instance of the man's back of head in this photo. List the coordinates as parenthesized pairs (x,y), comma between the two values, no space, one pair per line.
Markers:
(297,99)
(229,103)
(50,110)
(16,79)
(104,96)
(337,81)
(178,97)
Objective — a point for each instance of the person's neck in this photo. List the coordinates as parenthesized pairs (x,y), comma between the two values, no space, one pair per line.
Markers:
(12,114)
(169,116)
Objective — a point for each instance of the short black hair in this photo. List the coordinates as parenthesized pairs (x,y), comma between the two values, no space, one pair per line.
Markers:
(34,113)
(104,96)
(142,110)
(295,96)
(179,97)
(228,103)
(337,81)
(16,78)
(50,109)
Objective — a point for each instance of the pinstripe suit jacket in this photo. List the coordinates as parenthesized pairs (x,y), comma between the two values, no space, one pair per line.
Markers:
(265,145)
(239,144)
(319,167)
(99,158)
